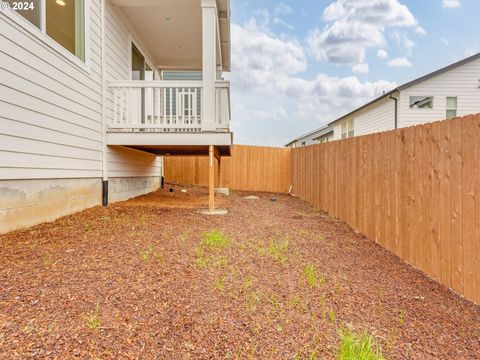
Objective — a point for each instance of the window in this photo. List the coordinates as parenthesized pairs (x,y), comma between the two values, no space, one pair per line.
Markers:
(451,107)
(347,129)
(61,20)
(303,143)
(421,102)
(30,10)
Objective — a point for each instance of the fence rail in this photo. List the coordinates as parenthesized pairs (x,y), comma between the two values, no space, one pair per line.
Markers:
(415,191)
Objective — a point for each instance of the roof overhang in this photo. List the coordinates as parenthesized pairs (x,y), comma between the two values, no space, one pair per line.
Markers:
(170,31)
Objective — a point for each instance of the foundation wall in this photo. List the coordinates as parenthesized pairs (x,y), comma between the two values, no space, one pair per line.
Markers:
(25,203)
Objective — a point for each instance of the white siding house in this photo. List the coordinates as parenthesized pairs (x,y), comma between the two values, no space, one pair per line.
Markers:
(449,92)
(324,134)
(77,126)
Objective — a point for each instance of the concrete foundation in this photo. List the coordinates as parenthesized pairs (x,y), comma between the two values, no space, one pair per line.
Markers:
(24,203)
(126,188)
(223,191)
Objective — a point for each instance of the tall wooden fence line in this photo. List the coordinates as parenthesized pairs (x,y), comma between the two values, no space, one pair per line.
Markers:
(252,168)
(416,191)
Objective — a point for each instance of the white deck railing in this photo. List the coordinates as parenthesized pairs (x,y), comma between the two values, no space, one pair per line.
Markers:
(167,105)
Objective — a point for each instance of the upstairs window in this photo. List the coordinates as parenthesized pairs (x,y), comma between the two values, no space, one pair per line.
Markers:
(451,107)
(347,129)
(421,102)
(65,23)
(61,20)
(30,10)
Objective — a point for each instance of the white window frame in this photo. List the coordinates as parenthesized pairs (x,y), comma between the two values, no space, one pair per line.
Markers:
(451,109)
(41,34)
(424,108)
(349,127)
(132,41)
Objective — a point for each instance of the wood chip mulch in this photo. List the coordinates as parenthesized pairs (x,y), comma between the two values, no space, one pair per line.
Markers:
(136,281)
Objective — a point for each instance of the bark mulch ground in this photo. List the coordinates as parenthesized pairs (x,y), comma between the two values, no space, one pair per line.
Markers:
(149,278)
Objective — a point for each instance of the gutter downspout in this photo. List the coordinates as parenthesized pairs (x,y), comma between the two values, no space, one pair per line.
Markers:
(396,110)
(104,120)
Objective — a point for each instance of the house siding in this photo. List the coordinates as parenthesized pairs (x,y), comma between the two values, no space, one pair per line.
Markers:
(379,117)
(51,108)
(123,162)
(51,122)
(461,82)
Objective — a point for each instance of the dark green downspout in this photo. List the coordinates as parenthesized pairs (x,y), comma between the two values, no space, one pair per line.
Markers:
(396,110)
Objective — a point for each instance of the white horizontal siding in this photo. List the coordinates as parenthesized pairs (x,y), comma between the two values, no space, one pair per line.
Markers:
(461,82)
(125,162)
(337,131)
(50,108)
(378,117)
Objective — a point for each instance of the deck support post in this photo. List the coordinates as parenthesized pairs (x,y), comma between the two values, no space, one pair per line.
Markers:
(211,178)
(219,172)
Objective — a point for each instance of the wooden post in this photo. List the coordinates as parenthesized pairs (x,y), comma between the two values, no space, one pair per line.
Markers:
(219,173)
(211,179)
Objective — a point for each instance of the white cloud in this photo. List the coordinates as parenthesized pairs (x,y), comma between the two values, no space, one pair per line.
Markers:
(280,12)
(403,41)
(420,30)
(361,68)
(273,97)
(283,9)
(282,22)
(451,4)
(445,41)
(256,49)
(382,54)
(400,62)
(353,26)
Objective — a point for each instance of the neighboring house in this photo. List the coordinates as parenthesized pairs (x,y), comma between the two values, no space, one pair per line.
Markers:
(443,94)
(94,92)
(321,135)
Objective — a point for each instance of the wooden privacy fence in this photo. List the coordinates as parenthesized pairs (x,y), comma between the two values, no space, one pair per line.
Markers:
(415,190)
(252,168)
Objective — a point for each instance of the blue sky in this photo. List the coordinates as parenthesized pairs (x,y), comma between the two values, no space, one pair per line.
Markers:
(297,65)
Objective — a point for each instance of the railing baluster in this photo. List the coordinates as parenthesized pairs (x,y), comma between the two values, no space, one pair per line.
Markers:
(157,97)
(164,120)
(171,106)
(166,104)
(122,105)
(115,116)
(195,94)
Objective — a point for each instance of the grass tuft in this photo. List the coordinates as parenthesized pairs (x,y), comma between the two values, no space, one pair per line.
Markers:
(147,254)
(215,239)
(93,320)
(358,347)
(331,315)
(309,273)
(219,284)
(278,250)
